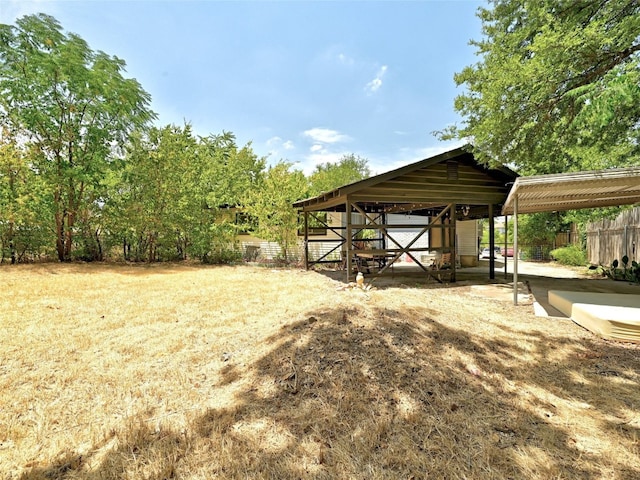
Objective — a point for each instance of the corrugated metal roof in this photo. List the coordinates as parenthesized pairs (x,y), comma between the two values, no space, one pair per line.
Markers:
(573,191)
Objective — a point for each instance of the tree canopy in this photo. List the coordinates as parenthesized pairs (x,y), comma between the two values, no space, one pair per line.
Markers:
(329,176)
(557,86)
(73,106)
(84,173)
(271,205)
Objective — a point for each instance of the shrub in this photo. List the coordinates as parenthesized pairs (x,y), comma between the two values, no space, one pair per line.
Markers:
(570,255)
(223,254)
(628,272)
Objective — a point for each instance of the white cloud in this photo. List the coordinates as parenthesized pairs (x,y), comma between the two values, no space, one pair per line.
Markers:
(276,147)
(411,155)
(325,157)
(325,135)
(345,59)
(324,142)
(320,154)
(277,142)
(335,56)
(273,142)
(375,84)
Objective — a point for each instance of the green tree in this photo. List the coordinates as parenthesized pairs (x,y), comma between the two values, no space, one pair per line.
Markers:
(227,173)
(23,209)
(170,199)
(74,106)
(271,205)
(329,176)
(539,228)
(557,86)
(152,203)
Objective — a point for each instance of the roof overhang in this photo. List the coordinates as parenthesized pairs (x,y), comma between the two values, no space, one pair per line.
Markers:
(573,191)
(423,185)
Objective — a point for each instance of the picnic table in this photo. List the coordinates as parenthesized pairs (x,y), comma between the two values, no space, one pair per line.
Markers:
(369,259)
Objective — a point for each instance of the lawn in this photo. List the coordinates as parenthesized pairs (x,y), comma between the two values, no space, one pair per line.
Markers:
(177,371)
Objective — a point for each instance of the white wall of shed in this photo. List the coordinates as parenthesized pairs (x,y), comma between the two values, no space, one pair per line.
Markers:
(404,236)
(467,232)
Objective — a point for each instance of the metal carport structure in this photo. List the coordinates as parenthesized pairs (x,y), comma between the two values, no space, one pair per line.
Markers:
(569,191)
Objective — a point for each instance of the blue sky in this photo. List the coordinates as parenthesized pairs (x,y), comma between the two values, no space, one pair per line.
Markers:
(307,82)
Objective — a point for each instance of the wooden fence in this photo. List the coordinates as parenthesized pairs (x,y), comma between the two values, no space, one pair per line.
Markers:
(608,240)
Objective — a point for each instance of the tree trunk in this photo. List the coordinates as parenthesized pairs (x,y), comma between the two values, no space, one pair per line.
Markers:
(68,241)
(99,256)
(59,216)
(13,253)
(152,247)
(12,246)
(71,221)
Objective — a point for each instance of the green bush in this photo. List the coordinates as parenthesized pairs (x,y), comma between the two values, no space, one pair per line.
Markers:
(570,255)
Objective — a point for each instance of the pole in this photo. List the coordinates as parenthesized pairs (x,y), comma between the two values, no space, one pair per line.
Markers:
(515,250)
(492,243)
(306,240)
(349,239)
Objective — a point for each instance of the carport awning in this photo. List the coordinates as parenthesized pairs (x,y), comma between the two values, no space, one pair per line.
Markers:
(569,191)
(573,191)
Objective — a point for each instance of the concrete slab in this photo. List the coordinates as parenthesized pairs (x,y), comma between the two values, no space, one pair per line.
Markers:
(503,292)
(614,316)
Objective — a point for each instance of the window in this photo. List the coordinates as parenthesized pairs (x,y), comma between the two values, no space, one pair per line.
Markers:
(246,223)
(317,224)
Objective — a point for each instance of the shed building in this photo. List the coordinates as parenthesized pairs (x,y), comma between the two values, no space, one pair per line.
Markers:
(438,192)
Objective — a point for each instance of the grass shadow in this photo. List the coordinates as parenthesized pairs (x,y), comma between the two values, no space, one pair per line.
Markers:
(379,393)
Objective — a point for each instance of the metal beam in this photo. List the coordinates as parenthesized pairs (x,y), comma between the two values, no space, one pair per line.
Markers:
(515,250)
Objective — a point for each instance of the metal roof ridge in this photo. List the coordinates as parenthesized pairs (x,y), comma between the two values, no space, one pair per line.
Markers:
(568,176)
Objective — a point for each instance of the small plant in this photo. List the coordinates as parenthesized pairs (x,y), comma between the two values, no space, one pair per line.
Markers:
(628,272)
(570,255)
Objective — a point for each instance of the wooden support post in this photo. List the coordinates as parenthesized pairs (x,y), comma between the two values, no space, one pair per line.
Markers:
(306,240)
(349,240)
(443,233)
(453,237)
(515,249)
(383,233)
(492,243)
(506,244)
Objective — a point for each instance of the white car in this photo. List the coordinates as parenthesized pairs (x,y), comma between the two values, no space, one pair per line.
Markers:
(486,252)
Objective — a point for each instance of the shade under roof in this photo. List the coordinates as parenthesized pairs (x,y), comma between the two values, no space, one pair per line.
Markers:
(573,191)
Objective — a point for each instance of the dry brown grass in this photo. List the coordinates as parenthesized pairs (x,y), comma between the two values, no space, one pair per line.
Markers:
(158,372)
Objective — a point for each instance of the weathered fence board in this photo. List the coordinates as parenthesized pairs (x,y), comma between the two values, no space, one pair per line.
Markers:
(610,239)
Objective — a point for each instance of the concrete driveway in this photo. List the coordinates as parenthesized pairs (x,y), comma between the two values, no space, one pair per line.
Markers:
(544,276)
